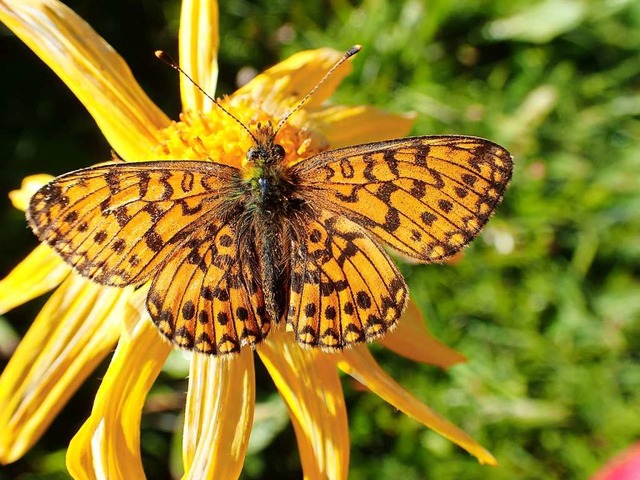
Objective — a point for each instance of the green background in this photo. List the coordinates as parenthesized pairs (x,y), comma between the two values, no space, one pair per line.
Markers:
(545,304)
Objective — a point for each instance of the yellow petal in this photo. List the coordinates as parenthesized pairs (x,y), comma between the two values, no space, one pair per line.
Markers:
(309,384)
(281,87)
(219,415)
(199,42)
(40,272)
(108,444)
(74,331)
(412,340)
(343,126)
(359,363)
(30,185)
(90,67)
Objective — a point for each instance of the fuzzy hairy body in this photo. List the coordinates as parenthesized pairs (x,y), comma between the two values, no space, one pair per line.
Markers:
(270,209)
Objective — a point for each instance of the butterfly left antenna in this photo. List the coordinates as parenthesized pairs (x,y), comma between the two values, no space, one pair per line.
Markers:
(166,58)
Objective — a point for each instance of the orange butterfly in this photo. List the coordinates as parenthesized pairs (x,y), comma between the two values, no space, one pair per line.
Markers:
(230,251)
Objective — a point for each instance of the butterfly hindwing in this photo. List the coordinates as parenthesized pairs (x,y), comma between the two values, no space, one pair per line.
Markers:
(117,223)
(426,197)
(344,288)
(205,299)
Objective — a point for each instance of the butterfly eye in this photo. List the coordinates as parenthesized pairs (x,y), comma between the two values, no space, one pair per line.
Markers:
(278,151)
(253,154)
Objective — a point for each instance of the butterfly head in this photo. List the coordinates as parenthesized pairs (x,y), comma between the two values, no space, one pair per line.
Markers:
(265,151)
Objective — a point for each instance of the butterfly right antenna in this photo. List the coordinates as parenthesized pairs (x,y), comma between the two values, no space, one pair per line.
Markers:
(347,55)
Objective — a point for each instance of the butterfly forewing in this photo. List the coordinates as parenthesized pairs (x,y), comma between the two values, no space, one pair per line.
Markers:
(117,223)
(426,197)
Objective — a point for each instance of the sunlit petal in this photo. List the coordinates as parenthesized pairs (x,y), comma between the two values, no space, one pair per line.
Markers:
(95,73)
(74,331)
(41,271)
(359,363)
(309,384)
(283,85)
(108,444)
(412,340)
(219,415)
(343,126)
(199,42)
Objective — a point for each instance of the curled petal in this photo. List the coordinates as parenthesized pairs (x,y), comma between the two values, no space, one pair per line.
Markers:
(74,331)
(40,272)
(413,341)
(95,73)
(30,185)
(108,444)
(309,384)
(282,86)
(199,42)
(359,363)
(343,126)
(219,415)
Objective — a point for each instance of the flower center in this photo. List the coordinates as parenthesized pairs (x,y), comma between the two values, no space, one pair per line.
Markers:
(215,136)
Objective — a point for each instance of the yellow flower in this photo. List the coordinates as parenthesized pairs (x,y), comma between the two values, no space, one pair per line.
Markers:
(82,321)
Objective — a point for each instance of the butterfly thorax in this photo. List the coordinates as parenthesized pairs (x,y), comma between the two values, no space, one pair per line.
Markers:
(270,191)
(270,202)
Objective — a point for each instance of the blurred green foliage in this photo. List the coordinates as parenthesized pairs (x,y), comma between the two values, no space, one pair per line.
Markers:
(545,305)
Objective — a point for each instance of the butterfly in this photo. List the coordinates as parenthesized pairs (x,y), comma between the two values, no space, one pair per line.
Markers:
(230,251)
